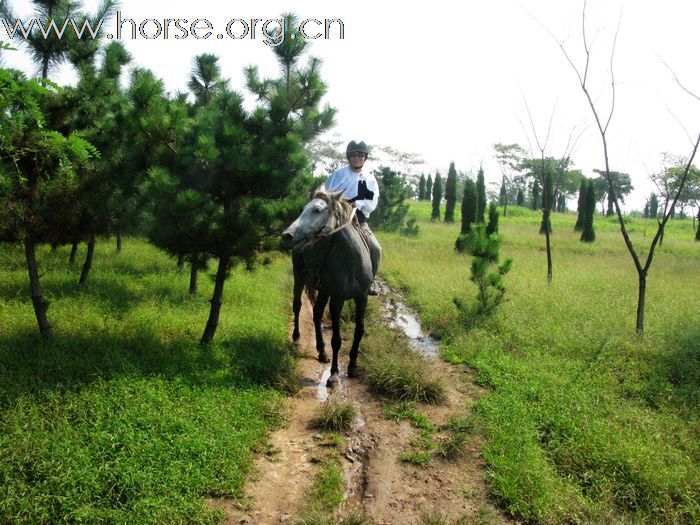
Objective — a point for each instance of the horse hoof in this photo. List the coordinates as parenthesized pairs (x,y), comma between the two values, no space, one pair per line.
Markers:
(333,381)
(353,371)
(323,358)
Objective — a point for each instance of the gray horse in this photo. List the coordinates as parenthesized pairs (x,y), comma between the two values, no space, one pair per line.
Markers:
(331,255)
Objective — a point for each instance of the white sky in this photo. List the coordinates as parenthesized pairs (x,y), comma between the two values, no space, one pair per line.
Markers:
(446,80)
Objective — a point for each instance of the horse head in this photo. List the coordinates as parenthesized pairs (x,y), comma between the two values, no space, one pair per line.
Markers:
(323,214)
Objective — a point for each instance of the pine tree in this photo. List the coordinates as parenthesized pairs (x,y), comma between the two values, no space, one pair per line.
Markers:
(450,193)
(492,226)
(51,51)
(205,78)
(486,273)
(535,195)
(468,206)
(421,188)
(580,210)
(588,232)
(39,168)
(480,197)
(180,212)
(429,188)
(653,206)
(437,197)
(547,201)
(391,210)
(561,203)
(611,207)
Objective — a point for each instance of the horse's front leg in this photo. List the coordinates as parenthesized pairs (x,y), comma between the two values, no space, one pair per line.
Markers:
(336,310)
(319,307)
(360,308)
(299,271)
(296,306)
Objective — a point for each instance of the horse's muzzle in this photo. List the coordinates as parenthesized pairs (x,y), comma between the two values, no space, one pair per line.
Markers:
(287,239)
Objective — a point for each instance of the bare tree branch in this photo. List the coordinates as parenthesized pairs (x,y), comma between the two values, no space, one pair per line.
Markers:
(680,84)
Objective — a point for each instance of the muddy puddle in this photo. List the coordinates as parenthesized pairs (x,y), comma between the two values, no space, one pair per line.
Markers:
(401,317)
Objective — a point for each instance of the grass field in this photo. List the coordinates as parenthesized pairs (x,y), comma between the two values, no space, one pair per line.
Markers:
(585,422)
(125,419)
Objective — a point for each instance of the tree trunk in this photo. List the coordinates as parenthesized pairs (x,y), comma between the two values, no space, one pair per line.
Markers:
(119,243)
(640,302)
(215,309)
(194,271)
(180,262)
(88,260)
(73,253)
(45,67)
(549,247)
(40,305)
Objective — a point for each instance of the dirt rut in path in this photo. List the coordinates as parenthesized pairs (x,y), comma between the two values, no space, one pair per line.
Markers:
(379,485)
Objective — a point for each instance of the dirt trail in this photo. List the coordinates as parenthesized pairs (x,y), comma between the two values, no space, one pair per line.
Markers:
(379,484)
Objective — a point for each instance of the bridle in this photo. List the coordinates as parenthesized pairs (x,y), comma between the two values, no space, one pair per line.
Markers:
(338,228)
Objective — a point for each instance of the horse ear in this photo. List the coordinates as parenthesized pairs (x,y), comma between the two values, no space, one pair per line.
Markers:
(336,195)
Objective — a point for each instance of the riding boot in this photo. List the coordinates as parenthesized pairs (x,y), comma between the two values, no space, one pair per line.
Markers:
(375,253)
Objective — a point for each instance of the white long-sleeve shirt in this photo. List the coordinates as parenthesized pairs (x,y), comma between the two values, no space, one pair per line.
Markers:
(347,180)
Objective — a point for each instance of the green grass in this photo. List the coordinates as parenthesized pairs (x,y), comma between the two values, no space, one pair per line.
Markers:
(447,443)
(326,492)
(124,418)
(585,421)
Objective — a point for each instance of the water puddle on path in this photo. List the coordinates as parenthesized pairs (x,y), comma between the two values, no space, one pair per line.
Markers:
(403,318)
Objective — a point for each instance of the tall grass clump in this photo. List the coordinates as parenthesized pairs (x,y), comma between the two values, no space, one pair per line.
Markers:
(334,414)
(391,369)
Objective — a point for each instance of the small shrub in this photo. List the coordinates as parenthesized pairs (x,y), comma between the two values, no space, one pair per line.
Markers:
(411,229)
(489,280)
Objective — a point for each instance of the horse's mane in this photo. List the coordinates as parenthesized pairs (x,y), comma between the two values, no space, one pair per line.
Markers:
(339,207)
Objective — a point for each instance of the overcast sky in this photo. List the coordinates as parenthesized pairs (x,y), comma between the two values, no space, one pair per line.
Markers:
(447,80)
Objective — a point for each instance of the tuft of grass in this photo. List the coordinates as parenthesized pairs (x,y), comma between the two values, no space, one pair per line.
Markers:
(393,370)
(355,518)
(335,414)
(419,458)
(325,494)
(451,447)
(407,410)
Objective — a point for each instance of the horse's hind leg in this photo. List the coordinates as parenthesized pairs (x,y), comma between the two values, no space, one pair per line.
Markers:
(336,310)
(360,308)
(319,307)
